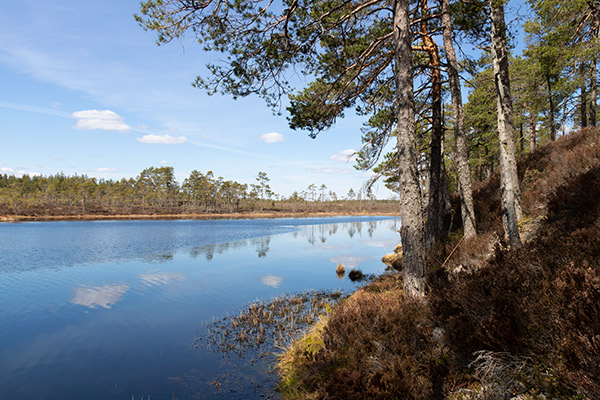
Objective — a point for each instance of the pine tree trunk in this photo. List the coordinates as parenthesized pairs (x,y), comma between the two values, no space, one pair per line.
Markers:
(462,157)
(511,205)
(583,105)
(593,94)
(435,211)
(411,209)
(552,110)
(521,139)
(531,132)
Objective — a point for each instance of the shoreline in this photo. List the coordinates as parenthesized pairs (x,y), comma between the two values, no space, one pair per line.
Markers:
(194,216)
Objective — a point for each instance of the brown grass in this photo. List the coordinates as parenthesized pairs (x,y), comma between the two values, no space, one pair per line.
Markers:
(207,216)
(520,322)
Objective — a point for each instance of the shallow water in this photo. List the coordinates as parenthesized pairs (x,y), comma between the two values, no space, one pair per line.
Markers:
(110,309)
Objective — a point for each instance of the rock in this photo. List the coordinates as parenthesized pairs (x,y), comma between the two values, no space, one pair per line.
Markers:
(356,275)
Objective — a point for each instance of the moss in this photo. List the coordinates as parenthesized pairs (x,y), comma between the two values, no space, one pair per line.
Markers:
(294,363)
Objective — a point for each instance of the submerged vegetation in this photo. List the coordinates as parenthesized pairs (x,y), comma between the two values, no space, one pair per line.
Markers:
(260,332)
(264,325)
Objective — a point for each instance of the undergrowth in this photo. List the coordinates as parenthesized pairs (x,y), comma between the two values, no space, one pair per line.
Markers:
(497,323)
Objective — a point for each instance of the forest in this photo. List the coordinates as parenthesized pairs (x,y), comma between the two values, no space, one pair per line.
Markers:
(155,191)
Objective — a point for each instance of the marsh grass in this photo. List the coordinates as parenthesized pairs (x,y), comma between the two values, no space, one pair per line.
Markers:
(252,340)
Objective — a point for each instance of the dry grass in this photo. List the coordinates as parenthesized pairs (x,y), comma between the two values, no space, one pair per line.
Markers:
(169,216)
(520,323)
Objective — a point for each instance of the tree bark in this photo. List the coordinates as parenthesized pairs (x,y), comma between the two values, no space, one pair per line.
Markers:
(511,205)
(467,208)
(521,139)
(531,131)
(552,111)
(435,210)
(583,105)
(593,94)
(411,209)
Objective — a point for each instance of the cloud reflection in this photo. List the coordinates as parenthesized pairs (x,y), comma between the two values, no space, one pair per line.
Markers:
(272,280)
(156,278)
(389,244)
(99,296)
(348,261)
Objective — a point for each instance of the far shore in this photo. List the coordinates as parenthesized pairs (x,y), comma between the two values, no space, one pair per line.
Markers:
(205,216)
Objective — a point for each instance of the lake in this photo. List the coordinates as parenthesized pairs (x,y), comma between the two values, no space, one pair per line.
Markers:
(110,309)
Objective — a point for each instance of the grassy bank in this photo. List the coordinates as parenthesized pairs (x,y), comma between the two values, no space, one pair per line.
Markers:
(497,323)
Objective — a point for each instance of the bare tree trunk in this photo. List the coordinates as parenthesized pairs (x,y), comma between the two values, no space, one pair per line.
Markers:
(583,105)
(462,157)
(593,94)
(531,131)
(552,110)
(411,209)
(521,139)
(511,213)
(435,213)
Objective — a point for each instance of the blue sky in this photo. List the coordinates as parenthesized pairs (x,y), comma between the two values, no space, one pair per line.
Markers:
(85,90)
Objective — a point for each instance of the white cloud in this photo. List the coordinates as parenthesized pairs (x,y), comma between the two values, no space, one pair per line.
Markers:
(271,280)
(272,137)
(106,170)
(99,296)
(164,139)
(163,162)
(331,170)
(345,156)
(105,120)
(18,174)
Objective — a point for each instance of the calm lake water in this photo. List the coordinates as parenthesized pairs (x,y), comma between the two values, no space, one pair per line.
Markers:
(110,309)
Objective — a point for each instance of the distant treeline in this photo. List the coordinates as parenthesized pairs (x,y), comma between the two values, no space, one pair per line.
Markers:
(156,191)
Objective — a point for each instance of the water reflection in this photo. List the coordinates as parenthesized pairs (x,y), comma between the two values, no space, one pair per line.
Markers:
(209,250)
(144,307)
(315,235)
(348,261)
(162,258)
(156,278)
(260,244)
(272,280)
(99,296)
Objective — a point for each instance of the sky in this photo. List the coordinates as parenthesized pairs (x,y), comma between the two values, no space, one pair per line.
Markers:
(85,90)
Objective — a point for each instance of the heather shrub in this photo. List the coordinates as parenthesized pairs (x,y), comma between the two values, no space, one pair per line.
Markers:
(377,345)
(522,323)
(541,301)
